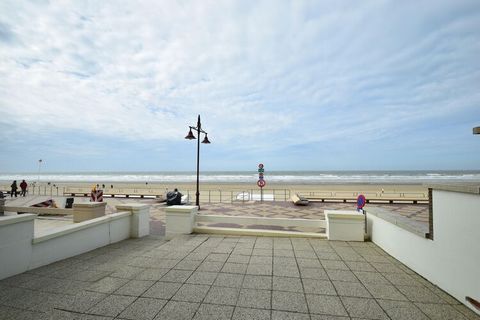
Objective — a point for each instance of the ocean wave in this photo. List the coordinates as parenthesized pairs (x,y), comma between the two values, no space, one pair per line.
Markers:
(250,177)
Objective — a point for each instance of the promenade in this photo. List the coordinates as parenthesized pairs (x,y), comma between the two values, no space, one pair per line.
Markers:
(216,277)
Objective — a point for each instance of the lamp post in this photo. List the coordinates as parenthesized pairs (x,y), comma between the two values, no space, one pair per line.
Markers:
(476,130)
(191,136)
(39,167)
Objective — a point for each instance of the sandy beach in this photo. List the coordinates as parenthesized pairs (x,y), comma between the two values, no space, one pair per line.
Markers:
(234,187)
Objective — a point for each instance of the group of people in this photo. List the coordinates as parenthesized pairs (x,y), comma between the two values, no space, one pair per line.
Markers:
(23,187)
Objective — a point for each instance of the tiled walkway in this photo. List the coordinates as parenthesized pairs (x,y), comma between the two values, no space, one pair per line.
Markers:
(414,214)
(215,277)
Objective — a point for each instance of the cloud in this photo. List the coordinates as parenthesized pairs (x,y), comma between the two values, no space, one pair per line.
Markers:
(263,75)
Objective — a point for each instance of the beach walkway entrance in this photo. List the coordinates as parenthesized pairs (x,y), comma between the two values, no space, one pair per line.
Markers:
(216,277)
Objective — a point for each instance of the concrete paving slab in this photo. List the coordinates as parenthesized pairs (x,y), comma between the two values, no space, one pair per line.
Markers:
(250,314)
(135,288)
(229,280)
(289,301)
(214,312)
(177,310)
(252,298)
(191,292)
(287,284)
(222,295)
(363,308)
(101,284)
(401,310)
(285,315)
(162,290)
(316,286)
(143,309)
(111,306)
(330,305)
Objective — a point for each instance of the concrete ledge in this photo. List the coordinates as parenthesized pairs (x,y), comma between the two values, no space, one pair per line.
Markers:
(38,210)
(61,231)
(399,221)
(6,220)
(284,222)
(258,232)
(181,209)
(462,188)
(132,206)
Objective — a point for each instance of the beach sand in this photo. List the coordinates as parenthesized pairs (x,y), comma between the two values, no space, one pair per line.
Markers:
(160,188)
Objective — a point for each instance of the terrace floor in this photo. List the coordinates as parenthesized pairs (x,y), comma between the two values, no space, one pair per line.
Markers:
(215,277)
(413,215)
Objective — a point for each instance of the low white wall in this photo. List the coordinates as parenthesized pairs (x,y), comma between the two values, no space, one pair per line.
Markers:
(452,259)
(16,234)
(20,251)
(78,238)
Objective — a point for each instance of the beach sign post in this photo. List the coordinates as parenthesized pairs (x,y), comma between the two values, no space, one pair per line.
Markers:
(361,200)
(261,181)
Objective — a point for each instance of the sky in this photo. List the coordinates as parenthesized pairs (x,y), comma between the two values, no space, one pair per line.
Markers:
(296,85)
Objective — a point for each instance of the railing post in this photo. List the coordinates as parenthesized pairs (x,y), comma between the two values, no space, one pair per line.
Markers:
(209,196)
(430,214)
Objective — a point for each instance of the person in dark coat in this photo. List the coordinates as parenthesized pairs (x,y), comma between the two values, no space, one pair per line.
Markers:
(23,186)
(14,189)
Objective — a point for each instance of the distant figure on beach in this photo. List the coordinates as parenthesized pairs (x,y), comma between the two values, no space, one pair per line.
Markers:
(23,186)
(103,186)
(14,188)
(111,186)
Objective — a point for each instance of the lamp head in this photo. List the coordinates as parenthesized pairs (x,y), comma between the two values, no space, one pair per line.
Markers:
(206,139)
(190,135)
(476,130)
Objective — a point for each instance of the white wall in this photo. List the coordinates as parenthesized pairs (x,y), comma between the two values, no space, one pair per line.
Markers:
(61,245)
(452,259)
(20,251)
(16,233)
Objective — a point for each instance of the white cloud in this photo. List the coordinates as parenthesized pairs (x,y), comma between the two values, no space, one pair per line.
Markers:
(288,72)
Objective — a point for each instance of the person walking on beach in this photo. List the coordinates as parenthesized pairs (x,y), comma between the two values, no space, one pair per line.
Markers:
(14,188)
(23,186)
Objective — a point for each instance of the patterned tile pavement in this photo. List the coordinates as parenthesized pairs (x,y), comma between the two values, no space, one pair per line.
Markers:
(416,214)
(232,278)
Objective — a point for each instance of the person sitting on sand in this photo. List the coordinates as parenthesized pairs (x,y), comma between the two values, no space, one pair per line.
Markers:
(23,186)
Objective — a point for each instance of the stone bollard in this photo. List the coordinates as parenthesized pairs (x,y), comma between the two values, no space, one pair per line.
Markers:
(140,221)
(180,220)
(88,210)
(345,225)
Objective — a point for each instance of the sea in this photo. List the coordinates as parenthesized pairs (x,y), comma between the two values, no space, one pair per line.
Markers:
(283,177)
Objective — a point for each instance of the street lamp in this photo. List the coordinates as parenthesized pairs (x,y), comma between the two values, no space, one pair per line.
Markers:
(476,130)
(191,136)
(39,167)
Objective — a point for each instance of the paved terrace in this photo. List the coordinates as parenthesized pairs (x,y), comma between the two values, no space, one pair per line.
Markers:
(216,277)
(414,215)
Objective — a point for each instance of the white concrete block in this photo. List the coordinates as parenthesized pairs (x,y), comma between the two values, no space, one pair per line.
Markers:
(88,210)
(345,225)
(180,220)
(16,234)
(140,220)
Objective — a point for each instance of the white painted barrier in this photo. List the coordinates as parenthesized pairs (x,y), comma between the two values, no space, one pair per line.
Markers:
(345,225)
(180,220)
(452,259)
(21,251)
